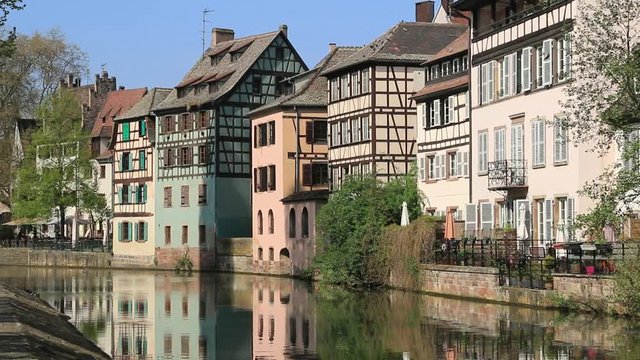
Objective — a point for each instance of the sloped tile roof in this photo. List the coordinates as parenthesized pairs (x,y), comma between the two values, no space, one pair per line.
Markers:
(253,47)
(143,107)
(406,43)
(307,196)
(117,103)
(314,90)
(457,46)
(437,87)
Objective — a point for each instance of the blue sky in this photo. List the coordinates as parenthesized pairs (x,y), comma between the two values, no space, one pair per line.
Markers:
(154,43)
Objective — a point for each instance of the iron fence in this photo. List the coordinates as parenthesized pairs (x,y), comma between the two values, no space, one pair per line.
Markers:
(82,244)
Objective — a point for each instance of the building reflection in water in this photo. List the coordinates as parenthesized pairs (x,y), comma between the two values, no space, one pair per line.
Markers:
(133,315)
(283,319)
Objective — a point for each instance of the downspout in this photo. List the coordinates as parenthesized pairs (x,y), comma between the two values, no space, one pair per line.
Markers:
(297,159)
(469,66)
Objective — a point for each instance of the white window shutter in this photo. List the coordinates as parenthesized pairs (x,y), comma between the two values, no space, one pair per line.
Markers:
(424,115)
(436,160)
(548,220)
(490,81)
(443,166)
(436,112)
(471,221)
(452,108)
(547,48)
(570,216)
(504,90)
(513,73)
(467,104)
(483,83)
(526,69)
(465,164)
(486,216)
(459,164)
(422,167)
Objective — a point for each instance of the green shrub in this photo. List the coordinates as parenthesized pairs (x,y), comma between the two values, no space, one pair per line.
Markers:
(627,285)
(184,262)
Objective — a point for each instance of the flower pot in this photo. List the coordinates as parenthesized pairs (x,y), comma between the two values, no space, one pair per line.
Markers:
(590,270)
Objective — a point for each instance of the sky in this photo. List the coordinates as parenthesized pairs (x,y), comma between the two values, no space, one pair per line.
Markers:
(148,43)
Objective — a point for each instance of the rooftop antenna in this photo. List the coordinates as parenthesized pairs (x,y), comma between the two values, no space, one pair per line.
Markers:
(204,21)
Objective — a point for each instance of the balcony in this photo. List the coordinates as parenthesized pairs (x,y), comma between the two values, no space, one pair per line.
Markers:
(507,174)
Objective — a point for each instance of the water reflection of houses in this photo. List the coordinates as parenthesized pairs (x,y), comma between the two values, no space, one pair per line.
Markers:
(283,320)
(133,316)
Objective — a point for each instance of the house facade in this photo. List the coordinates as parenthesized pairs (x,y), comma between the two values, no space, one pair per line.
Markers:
(442,129)
(371,113)
(204,143)
(290,170)
(133,182)
(524,164)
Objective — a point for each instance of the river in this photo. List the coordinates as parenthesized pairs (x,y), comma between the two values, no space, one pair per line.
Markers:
(161,315)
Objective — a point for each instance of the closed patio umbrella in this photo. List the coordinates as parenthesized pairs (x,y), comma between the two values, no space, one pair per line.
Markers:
(449,232)
(560,232)
(522,230)
(404,219)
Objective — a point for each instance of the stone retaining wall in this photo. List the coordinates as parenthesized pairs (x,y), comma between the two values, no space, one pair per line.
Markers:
(596,291)
(54,258)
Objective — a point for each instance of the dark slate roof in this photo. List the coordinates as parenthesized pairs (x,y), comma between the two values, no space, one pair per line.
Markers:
(117,103)
(307,196)
(457,46)
(204,71)
(143,107)
(313,92)
(405,43)
(438,87)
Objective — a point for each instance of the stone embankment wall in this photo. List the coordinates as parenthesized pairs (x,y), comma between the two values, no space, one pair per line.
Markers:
(54,258)
(483,283)
(234,255)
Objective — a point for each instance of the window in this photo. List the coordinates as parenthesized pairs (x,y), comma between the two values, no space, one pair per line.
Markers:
(447,110)
(202,234)
(261,177)
(431,162)
(256,85)
(142,128)
(185,123)
(203,157)
(270,221)
(434,113)
(423,114)
(355,84)
(344,86)
(486,216)
(316,132)
(525,69)
(279,53)
(271,258)
(445,68)
(366,128)
(315,174)
(259,221)
(547,49)
(499,143)
(184,341)
(261,135)
(537,141)
(141,194)
(421,168)
(272,177)
(168,124)
(103,171)
(305,223)
(167,235)
(453,164)
(168,158)
(465,63)
(126,162)
(203,121)
(142,160)
(167,197)
(126,132)
(292,223)
(560,143)
(124,194)
(355,129)
(517,142)
(185,234)
(365,81)
(184,195)
(272,132)
(260,257)
(346,133)
(456,65)
(565,208)
(186,156)
(482,153)
(235,56)
(334,94)
(487,89)
(202,194)
(435,70)
(141,230)
(564,57)
(335,134)
(125,230)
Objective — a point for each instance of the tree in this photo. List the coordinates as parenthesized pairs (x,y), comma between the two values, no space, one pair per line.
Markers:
(7,44)
(351,223)
(57,172)
(29,76)
(603,104)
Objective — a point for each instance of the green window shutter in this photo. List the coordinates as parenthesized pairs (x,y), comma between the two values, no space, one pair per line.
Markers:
(145,231)
(121,161)
(134,194)
(120,195)
(143,127)
(144,193)
(130,161)
(135,231)
(142,160)
(125,132)
(119,231)
(130,232)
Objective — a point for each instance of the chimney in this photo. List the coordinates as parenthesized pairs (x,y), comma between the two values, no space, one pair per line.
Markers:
(219,35)
(120,87)
(445,6)
(424,11)
(284,29)
(332,46)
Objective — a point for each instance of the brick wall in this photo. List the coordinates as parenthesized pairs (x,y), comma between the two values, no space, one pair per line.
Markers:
(203,259)
(597,291)
(464,281)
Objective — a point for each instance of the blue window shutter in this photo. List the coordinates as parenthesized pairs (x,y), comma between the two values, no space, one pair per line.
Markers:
(135,231)
(119,231)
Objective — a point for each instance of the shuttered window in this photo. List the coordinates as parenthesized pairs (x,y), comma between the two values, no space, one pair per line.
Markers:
(184,195)
(272,177)
(142,126)
(185,234)
(560,143)
(126,131)
(482,153)
(499,151)
(202,194)
(316,132)
(167,197)
(421,167)
(462,158)
(434,119)
(167,235)
(315,174)
(548,221)
(547,70)
(203,154)
(564,57)
(470,223)
(142,160)
(526,69)
(486,217)
(538,134)
(517,142)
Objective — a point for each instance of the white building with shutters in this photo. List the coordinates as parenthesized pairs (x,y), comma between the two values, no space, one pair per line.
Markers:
(521,61)
(442,132)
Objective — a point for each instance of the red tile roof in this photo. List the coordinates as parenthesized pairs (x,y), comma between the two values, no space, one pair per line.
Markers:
(437,87)
(117,102)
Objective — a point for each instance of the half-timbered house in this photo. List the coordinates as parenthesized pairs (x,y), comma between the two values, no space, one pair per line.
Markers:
(133,181)
(442,129)
(204,142)
(526,173)
(371,113)
(290,170)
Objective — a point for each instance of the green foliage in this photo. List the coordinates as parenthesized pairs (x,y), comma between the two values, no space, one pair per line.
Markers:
(627,285)
(184,263)
(351,224)
(7,45)
(56,172)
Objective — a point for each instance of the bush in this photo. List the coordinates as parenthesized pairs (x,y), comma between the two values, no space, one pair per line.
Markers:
(627,285)
(184,262)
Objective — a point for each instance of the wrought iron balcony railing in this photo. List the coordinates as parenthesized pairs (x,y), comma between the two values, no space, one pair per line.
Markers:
(507,174)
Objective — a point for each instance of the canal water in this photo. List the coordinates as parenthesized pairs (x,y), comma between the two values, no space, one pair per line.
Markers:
(161,315)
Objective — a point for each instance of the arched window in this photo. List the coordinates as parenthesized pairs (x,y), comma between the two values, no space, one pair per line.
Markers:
(292,223)
(284,253)
(259,222)
(305,223)
(270,219)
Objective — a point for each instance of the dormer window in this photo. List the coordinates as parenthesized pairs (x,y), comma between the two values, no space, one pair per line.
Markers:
(445,68)
(235,56)
(181,92)
(215,60)
(455,65)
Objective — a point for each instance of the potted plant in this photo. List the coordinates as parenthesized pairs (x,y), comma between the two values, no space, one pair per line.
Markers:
(548,281)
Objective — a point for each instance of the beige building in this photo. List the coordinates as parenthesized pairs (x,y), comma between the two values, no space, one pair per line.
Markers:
(524,164)
(290,170)
(371,114)
(442,129)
